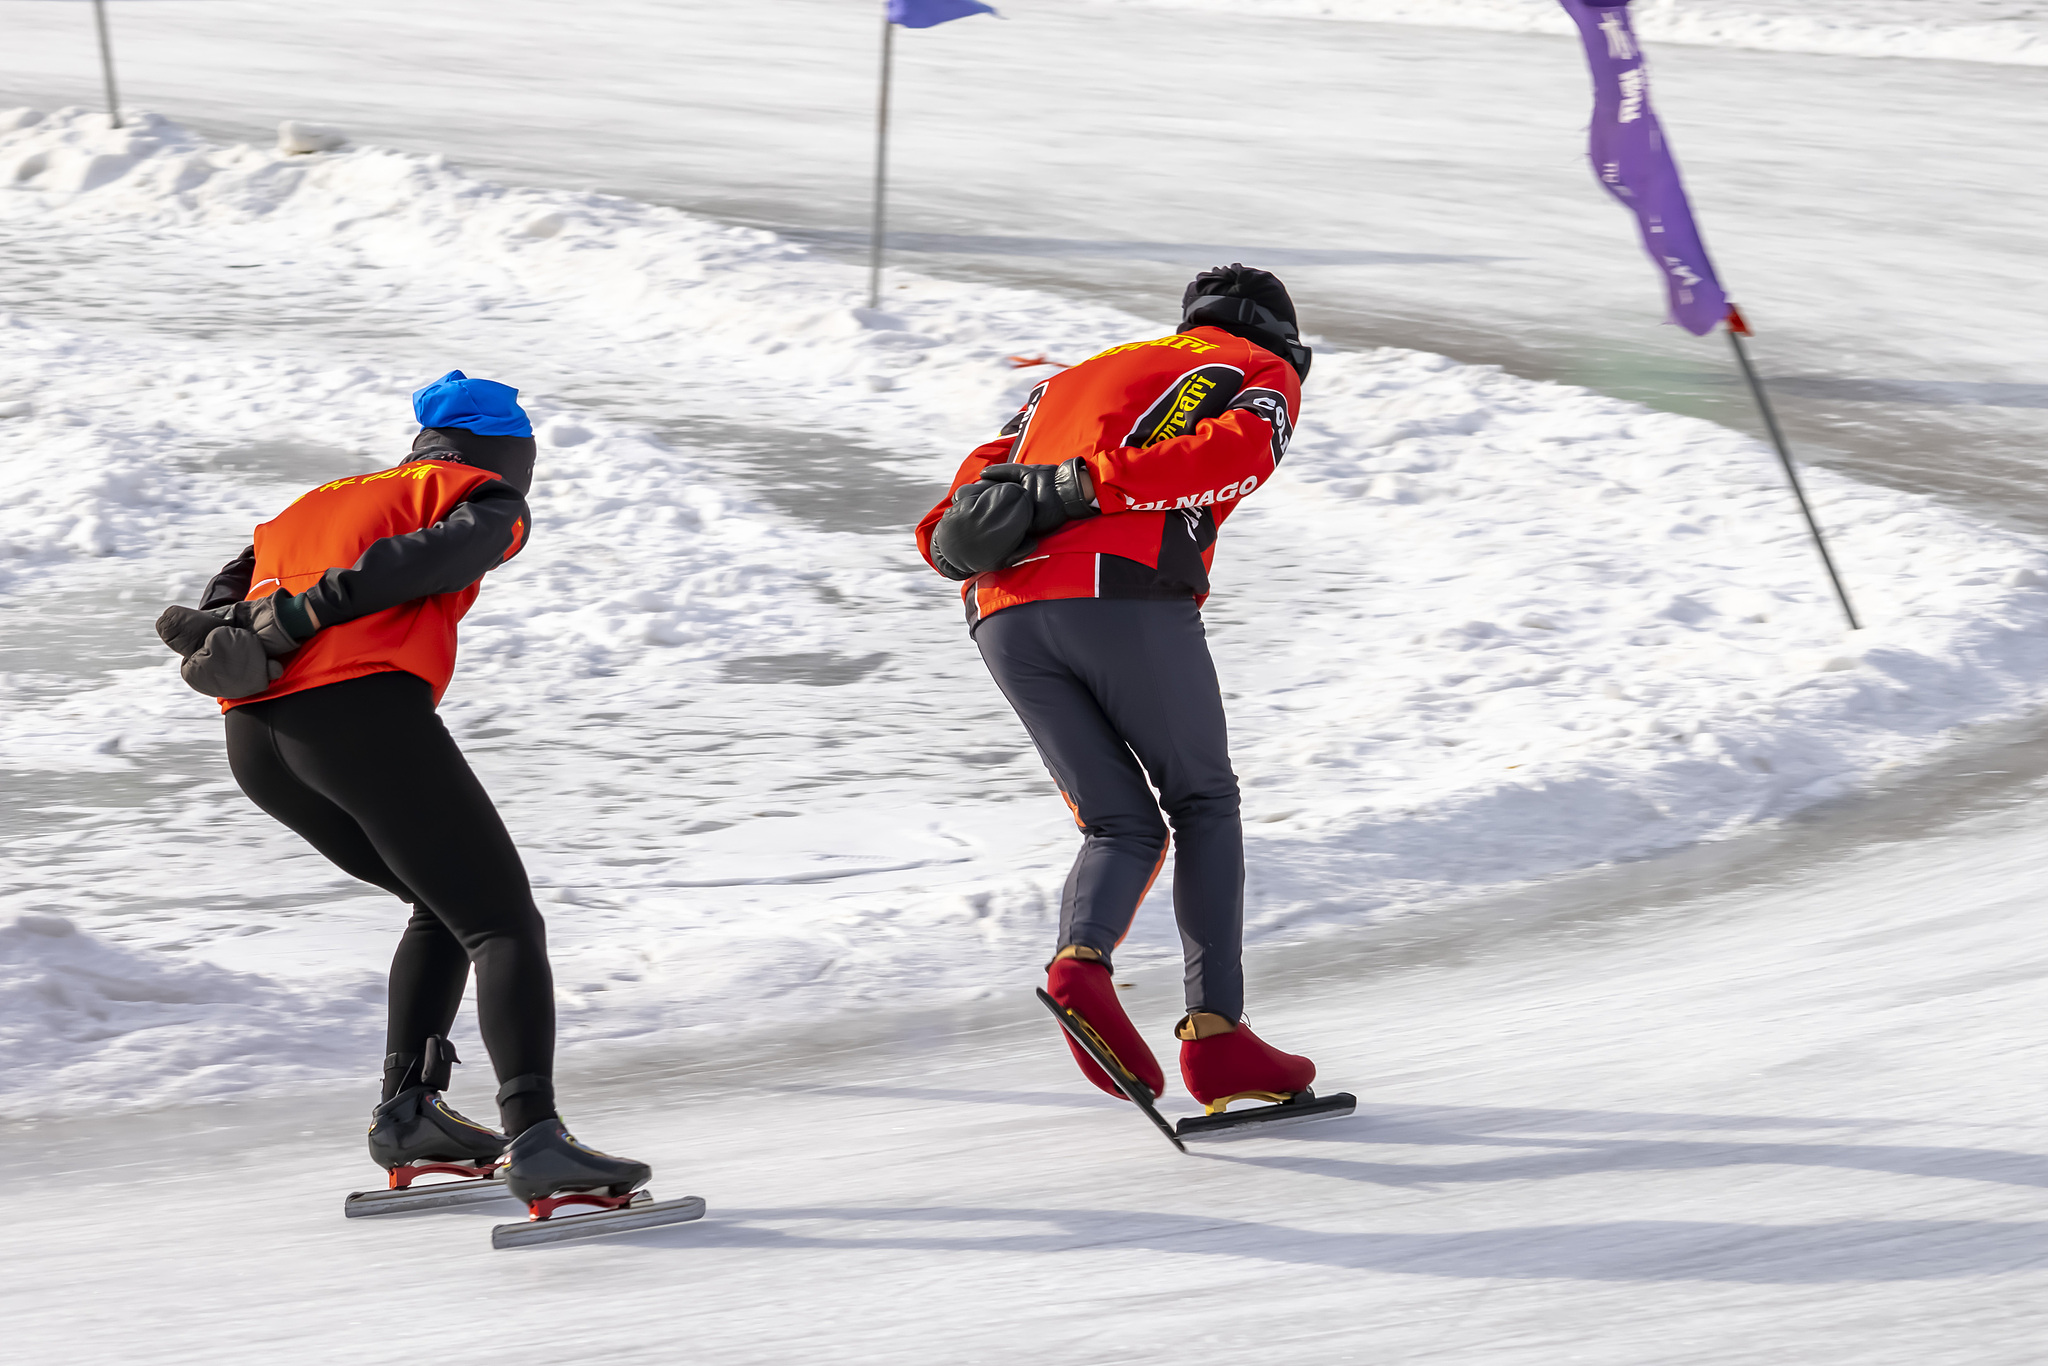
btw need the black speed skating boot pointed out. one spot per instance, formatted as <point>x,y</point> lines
<point>416,1132</point>
<point>547,1167</point>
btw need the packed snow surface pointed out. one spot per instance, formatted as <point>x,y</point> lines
<point>2011,31</point>
<point>1477,631</point>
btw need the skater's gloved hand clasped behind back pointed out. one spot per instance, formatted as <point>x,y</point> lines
<point>985,528</point>
<point>233,651</point>
<point>993,521</point>
<point>1059,493</point>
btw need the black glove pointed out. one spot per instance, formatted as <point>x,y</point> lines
<point>1056,492</point>
<point>233,651</point>
<point>988,526</point>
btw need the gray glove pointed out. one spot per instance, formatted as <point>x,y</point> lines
<point>231,663</point>
<point>233,651</point>
<point>185,629</point>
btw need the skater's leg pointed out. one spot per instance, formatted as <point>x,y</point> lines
<point>262,773</point>
<point>1123,838</point>
<point>1148,665</point>
<point>430,969</point>
<point>428,974</point>
<point>375,748</point>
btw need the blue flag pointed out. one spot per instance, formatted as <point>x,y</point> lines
<point>931,13</point>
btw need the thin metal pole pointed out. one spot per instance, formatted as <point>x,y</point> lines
<point>1763,403</point>
<point>99,14</point>
<point>881,165</point>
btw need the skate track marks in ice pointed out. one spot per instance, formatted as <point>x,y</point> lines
<point>1477,631</point>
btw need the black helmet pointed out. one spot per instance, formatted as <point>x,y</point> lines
<point>1247,303</point>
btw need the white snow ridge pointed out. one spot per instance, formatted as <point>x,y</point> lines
<point>1478,630</point>
<point>84,1023</point>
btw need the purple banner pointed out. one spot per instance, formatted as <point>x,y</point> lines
<point>1632,159</point>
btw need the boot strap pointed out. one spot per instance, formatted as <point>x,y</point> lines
<point>406,1065</point>
<point>437,1069</point>
<point>532,1081</point>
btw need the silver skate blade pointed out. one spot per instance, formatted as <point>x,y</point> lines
<point>441,1195</point>
<point>1266,1118</point>
<point>654,1214</point>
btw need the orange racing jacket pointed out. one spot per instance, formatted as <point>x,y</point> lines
<point>388,562</point>
<point>1174,431</point>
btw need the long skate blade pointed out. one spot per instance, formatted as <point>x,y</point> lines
<point>568,1228</point>
<point>1303,1109</point>
<point>442,1195</point>
<point>1117,1072</point>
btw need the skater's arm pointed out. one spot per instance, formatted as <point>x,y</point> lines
<point>231,585</point>
<point>1223,459</point>
<point>992,453</point>
<point>996,452</point>
<point>486,529</point>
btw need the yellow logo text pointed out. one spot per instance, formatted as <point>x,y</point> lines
<point>1178,341</point>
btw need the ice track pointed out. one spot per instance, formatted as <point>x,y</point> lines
<point>1793,1124</point>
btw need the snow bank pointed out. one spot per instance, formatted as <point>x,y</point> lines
<point>1547,621</point>
<point>84,1023</point>
<point>2005,31</point>
<point>1479,630</point>
<point>742,317</point>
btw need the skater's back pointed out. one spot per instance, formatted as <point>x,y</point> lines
<point>1171,432</point>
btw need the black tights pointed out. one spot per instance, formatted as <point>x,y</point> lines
<point>366,772</point>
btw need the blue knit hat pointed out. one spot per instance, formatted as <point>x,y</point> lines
<point>483,406</point>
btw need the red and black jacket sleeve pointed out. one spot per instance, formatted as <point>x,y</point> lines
<point>231,584</point>
<point>1240,447</point>
<point>488,527</point>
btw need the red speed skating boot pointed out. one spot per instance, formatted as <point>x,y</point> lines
<point>1221,1065</point>
<point>1083,985</point>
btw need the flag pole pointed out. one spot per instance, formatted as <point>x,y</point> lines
<point>99,15</point>
<point>881,164</point>
<point>1737,330</point>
